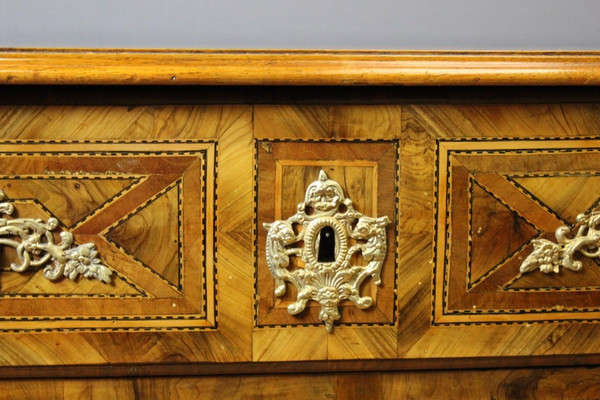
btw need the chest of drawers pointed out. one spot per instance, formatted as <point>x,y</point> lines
<point>170,175</point>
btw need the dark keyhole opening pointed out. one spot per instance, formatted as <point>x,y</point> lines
<point>326,245</point>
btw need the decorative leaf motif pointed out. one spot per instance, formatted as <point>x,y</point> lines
<point>545,256</point>
<point>330,282</point>
<point>83,260</point>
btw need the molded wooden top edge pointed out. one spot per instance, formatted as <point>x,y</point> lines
<point>296,67</point>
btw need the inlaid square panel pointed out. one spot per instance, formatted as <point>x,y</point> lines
<point>367,173</point>
<point>496,199</point>
<point>146,206</point>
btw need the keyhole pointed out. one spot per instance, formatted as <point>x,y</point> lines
<point>326,245</point>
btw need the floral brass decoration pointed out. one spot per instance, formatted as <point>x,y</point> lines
<point>549,256</point>
<point>326,220</point>
<point>34,243</point>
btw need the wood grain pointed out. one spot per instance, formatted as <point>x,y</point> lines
<point>364,168</point>
<point>507,120</point>
<point>415,239</point>
<point>399,138</point>
<point>504,123</point>
<point>168,67</point>
<point>230,126</point>
<point>547,383</point>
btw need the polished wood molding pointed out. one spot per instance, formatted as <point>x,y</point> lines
<point>297,67</point>
<point>295,367</point>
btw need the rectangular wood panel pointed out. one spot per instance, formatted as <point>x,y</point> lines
<point>476,156</point>
<point>141,184</point>
<point>355,146</point>
<point>128,199</point>
<point>285,169</point>
<point>500,196</point>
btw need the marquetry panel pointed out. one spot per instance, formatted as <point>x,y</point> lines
<point>494,198</point>
<point>364,170</point>
<point>509,141</point>
<point>154,188</point>
<point>148,209</point>
<point>175,197</point>
<point>358,147</point>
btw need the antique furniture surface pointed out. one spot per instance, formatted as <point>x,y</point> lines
<point>170,169</point>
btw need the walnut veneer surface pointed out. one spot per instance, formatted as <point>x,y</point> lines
<point>182,177</point>
<point>551,383</point>
<point>173,185</point>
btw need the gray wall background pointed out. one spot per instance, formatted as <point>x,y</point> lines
<point>303,24</point>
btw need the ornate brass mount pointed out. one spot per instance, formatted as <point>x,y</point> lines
<point>34,243</point>
<point>549,256</point>
<point>327,221</point>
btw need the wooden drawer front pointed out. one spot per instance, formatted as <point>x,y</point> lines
<point>179,220</point>
<point>495,198</point>
<point>147,208</point>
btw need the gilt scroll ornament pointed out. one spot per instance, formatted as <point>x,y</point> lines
<point>35,246</point>
<point>328,225</point>
<point>549,256</point>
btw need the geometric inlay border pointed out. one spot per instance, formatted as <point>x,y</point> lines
<point>265,145</point>
<point>446,305</point>
<point>176,185</point>
<point>179,312</point>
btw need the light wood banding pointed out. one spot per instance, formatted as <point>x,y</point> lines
<point>263,67</point>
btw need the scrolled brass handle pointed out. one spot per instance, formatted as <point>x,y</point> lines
<point>548,256</point>
<point>35,246</point>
